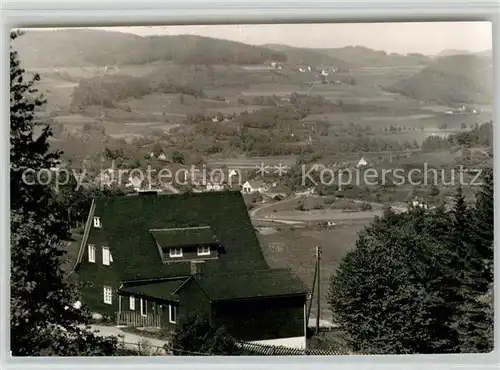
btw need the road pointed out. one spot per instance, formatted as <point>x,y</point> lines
<point>253,212</point>
<point>130,340</point>
<point>171,189</point>
<point>344,215</point>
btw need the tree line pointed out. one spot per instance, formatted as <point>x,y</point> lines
<point>107,90</point>
<point>422,281</point>
<point>480,135</point>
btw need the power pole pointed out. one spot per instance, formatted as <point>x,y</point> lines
<point>318,294</point>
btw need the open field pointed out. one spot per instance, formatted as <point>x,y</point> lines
<point>252,162</point>
<point>380,76</point>
<point>331,210</point>
<point>295,249</point>
<point>325,215</point>
<point>171,104</point>
<point>92,71</point>
<point>399,119</point>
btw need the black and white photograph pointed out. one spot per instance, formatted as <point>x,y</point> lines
<point>252,190</point>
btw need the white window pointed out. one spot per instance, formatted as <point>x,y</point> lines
<point>131,303</point>
<point>204,251</point>
<point>144,308</point>
<point>92,253</point>
<point>97,222</point>
<point>105,256</point>
<point>108,297</point>
<point>172,313</point>
<point>175,252</point>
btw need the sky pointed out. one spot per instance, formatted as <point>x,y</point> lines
<point>422,37</point>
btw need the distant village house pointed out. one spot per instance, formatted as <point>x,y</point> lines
<point>254,186</point>
<point>362,163</point>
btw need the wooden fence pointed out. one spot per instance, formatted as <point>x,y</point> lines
<point>144,348</point>
<point>255,349</point>
<point>135,319</point>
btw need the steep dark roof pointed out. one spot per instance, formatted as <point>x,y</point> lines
<point>127,221</point>
<point>180,237</point>
<point>251,284</point>
<point>162,289</point>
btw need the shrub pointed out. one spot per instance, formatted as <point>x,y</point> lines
<point>330,200</point>
<point>300,207</point>
<point>198,335</point>
<point>366,206</point>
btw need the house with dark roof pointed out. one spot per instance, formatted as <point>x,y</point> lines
<point>154,260</point>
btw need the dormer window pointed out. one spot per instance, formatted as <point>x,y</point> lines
<point>204,251</point>
<point>177,244</point>
<point>175,252</point>
<point>97,222</point>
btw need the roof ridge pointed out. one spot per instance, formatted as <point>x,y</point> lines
<point>183,228</point>
<point>207,194</point>
<point>157,280</point>
<point>236,272</point>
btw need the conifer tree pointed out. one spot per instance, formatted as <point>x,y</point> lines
<point>417,281</point>
<point>44,317</point>
<point>474,319</point>
<point>482,231</point>
<point>386,293</point>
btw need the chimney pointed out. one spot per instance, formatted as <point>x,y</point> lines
<point>149,192</point>
<point>196,267</point>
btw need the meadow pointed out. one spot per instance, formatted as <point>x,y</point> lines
<point>253,162</point>
<point>295,249</point>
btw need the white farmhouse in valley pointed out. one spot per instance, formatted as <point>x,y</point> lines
<point>214,186</point>
<point>134,182</point>
<point>254,186</point>
<point>362,163</point>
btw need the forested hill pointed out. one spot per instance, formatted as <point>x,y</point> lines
<point>362,56</point>
<point>452,80</point>
<point>85,47</point>
<point>297,55</point>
